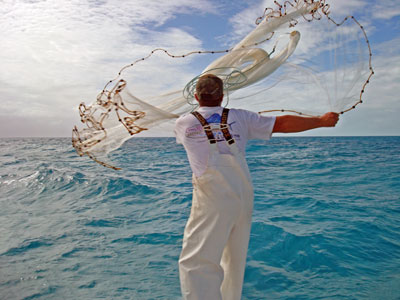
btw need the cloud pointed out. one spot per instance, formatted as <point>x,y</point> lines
<point>383,90</point>
<point>385,9</point>
<point>245,21</point>
<point>55,54</point>
<point>342,8</point>
<point>380,100</point>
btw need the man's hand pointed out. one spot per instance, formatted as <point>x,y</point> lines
<point>329,119</point>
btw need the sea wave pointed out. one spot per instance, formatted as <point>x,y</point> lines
<point>325,223</point>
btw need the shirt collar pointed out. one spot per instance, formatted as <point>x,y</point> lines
<point>209,108</point>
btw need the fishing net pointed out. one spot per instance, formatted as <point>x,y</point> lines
<point>328,70</point>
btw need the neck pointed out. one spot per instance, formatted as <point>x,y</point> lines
<point>210,105</point>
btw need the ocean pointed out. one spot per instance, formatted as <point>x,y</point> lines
<point>326,221</point>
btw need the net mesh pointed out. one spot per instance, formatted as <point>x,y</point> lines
<point>328,70</point>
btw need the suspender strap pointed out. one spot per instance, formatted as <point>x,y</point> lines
<point>206,126</point>
<point>224,127</point>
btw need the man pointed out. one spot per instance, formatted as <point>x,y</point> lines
<point>216,237</point>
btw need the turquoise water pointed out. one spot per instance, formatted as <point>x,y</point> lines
<point>326,222</point>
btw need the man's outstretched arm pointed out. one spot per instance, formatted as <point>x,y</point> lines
<point>289,123</point>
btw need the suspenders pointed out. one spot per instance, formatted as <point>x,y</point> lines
<point>224,127</point>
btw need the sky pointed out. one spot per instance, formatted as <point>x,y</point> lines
<point>55,54</point>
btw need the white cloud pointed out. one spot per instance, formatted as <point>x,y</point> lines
<point>342,8</point>
<point>383,90</point>
<point>55,54</point>
<point>385,9</point>
<point>313,35</point>
<point>245,21</point>
<point>380,99</point>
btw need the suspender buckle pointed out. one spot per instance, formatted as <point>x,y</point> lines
<point>231,141</point>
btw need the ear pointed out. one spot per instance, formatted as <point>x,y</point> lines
<point>197,97</point>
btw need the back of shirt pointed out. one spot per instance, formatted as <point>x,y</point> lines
<point>243,125</point>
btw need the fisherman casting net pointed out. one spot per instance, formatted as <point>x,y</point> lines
<point>296,60</point>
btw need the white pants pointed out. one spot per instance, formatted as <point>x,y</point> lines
<point>216,237</point>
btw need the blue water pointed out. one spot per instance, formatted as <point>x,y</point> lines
<point>326,223</point>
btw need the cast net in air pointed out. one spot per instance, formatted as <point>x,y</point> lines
<point>328,70</point>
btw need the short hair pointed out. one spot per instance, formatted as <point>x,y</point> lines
<point>209,88</point>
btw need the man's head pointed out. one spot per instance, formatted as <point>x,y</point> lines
<point>209,90</point>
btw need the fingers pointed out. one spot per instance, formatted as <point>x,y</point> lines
<point>330,119</point>
<point>334,118</point>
